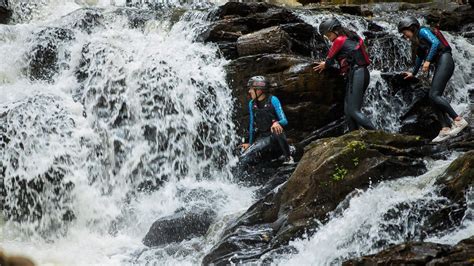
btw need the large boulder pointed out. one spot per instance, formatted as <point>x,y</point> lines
<point>182,225</point>
<point>44,55</point>
<point>297,38</point>
<point>451,20</point>
<point>420,253</point>
<point>235,19</point>
<point>454,184</point>
<point>26,195</point>
<point>328,172</point>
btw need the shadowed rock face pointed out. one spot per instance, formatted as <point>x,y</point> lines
<point>421,253</point>
<point>5,12</point>
<point>262,39</point>
<point>328,172</point>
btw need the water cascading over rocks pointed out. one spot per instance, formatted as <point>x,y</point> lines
<point>118,132</point>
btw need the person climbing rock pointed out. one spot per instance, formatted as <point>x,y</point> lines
<point>267,119</point>
<point>432,49</point>
<point>348,50</point>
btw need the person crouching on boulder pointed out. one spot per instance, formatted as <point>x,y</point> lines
<point>267,119</point>
<point>433,49</point>
<point>349,50</point>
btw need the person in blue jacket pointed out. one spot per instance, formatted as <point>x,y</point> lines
<point>267,120</point>
<point>433,49</point>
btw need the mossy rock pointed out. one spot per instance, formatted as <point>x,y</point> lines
<point>458,177</point>
<point>328,172</point>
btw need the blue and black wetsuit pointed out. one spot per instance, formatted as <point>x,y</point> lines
<point>438,53</point>
<point>262,116</point>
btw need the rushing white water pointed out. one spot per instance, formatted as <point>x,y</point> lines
<point>389,213</point>
<point>119,112</point>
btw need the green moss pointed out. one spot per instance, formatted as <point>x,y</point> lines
<point>355,161</point>
<point>356,145</point>
<point>339,173</point>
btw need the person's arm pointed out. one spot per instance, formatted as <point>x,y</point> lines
<point>335,48</point>
<point>279,111</point>
<point>251,122</point>
<point>418,62</point>
<point>426,34</point>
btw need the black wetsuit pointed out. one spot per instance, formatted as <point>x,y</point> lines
<point>437,52</point>
<point>353,60</point>
<point>263,142</point>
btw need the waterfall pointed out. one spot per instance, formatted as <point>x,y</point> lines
<point>112,116</point>
<point>108,124</point>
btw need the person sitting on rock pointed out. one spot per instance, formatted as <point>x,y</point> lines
<point>267,119</point>
<point>349,50</point>
<point>433,49</point>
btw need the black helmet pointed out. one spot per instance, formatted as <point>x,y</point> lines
<point>329,25</point>
<point>259,82</point>
<point>407,22</point>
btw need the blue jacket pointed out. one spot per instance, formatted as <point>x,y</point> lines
<point>429,48</point>
<point>278,111</point>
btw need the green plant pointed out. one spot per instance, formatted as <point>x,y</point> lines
<point>356,161</point>
<point>339,173</point>
<point>356,145</point>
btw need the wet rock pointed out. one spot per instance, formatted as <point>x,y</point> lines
<point>458,178</point>
<point>420,253</point>
<point>44,55</point>
<point>418,116</point>
<point>180,226</point>
<point>329,171</point>
<point>372,26</point>
<point>5,12</point>
<point>357,10</point>
<point>297,38</point>
<point>14,260</point>
<point>333,129</point>
<point>405,254</point>
<point>268,40</point>
<point>451,20</point>
<point>308,98</point>
<point>236,19</point>
<point>137,18</point>
<point>280,177</point>
<point>30,199</point>
<point>454,185</point>
<point>84,19</point>
<point>241,9</point>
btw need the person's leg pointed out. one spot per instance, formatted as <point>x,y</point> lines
<point>282,144</point>
<point>351,123</point>
<point>444,71</point>
<point>255,153</point>
<point>355,98</point>
<point>442,118</point>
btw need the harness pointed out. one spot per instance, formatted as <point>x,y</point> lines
<point>264,117</point>
<point>425,46</point>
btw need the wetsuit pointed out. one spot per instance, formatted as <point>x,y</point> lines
<point>353,61</point>
<point>438,53</point>
<point>263,142</point>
